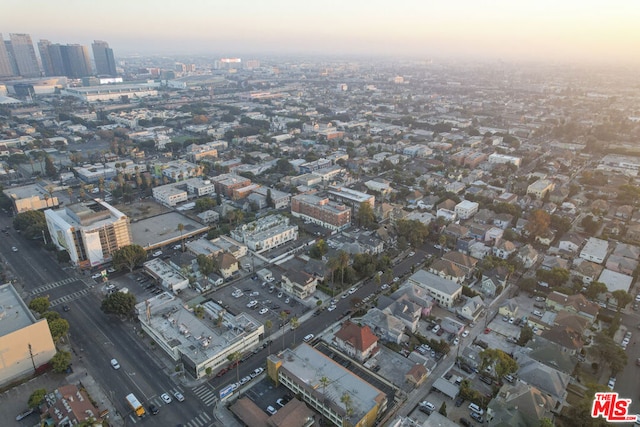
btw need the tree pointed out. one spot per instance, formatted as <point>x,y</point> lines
<point>343,262</point>
<point>590,225</point>
<point>129,257</point>
<point>594,289</point>
<point>37,397</point>
<point>58,328</point>
<point>348,408</point>
<point>622,297</point>
<point>269,198</point>
<point>61,361</point>
<point>318,250</point>
<point>283,318</point>
<point>49,167</point>
<point>267,326</point>
<point>294,325</point>
<point>206,264</point>
<point>607,351</point>
<point>443,409</point>
<point>119,303</point>
<point>502,362</point>
<point>526,333</point>
<point>365,217</point>
<point>204,204</point>
<point>32,224</point>
<point>579,414</point>
<point>234,358</point>
<point>413,231</point>
<point>538,224</point>
<point>39,305</point>
<point>555,277</point>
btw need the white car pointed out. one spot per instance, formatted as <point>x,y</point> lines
<point>537,313</point>
<point>331,308</point>
<point>157,253</point>
<point>252,304</point>
<point>612,383</point>
<point>280,294</point>
<point>179,397</point>
<point>384,287</point>
<point>456,341</point>
<point>271,410</point>
<point>308,338</point>
<point>352,291</point>
<point>96,276</point>
<point>14,249</point>
<point>412,253</point>
<point>258,371</point>
<point>165,397</point>
<point>263,310</point>
<point>115,364</point>
<point>465,334</point>
<point>638,298</point>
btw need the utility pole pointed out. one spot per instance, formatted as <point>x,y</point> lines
<point>33,362</point>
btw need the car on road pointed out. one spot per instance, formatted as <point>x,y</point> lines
<point>165,397</point>
<point>487,330</point>
<point>384,287</point>
<point>612,383</point>
<point>157,253</point>
<point>179,397</point>
<point>111,270</point>
<point>115,364</point>
<point>287,301</point>
<point>331,308</point>
<point>456,341</point>
<point>537,313</point>
<point>271,410</point>
<point>263,310</point>
<point>245,380</point>
<point>258,371</point>
<point>638,298</point>
<point>65,307</point>
<point>412,253</point>
<point>280,294</point>
<point>153,409</point>
<point>352,291</point>
<point>96,276</point>
<point>14,249</point>
<point>465,334</point>
<point>395,279</point>
<point>308,337</point>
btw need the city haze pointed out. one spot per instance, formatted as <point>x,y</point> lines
<point>582,31</point>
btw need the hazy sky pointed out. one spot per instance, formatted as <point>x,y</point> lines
<point>600,30</point>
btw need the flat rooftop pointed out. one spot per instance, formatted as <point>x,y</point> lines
<point>162,229</point>
<point>14,313</point>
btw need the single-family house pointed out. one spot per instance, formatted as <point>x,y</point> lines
<point>359,342</point>
<point>595,250</point>
<point>509,308</point>
<point>528,256</point>
<point>504,249</point>
<point>571,242</point>
<point>472,309</point>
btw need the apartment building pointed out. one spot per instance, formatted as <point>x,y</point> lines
<point>90,231</point>
<point>266,233</point>
<point>321,211</point>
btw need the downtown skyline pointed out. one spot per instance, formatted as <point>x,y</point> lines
<point>587,31</point>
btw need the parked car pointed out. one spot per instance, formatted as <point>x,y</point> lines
<point>166,398</point>
<point>427,407</point>
<point>153,409</point>
<point>271,410</point>
<point>179,397</point>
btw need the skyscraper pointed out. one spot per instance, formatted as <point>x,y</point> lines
<point>45,57</point>
<point>103,55</point>
<point>5,62</point>
<point>25,55</point>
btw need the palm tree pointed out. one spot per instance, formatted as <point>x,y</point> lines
<point>283,317</point>
<point>181,228</point>
<point>268,325</point>
<point>294,325</point>
<point>235,357</point>
<point>346,399</point>
<point>343,262</point>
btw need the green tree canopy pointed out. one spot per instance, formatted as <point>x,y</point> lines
<point>49,167</point>
<point>205,204</point>
<point>608,352</point>
<point>40,305</point>
<point>58,328</point>
<point>119,303</point>
<point>37,397</point>
<point>526,333</point>
<point>206,264</point>
<point>318,250</point>
<point>594,289</point>
<point>501,361</point>
<point>61,361</point>
<point>31,224</point>
<point>622,297</point>
<point>365,216</point>
<point>413,231</point>
<point>538,223</point>
<point>129,257</point>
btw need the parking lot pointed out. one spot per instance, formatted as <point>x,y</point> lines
<point>264,394</point>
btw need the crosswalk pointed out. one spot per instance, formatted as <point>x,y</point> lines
<point>201,419</point>
<point>206,393</point>
<point>70,297</point>
<point>53,285</point>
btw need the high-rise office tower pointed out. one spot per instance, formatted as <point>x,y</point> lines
<point>24,55</point>
<point>103,55</point>
<point>45,57</point>
<point>5,62</point>
<point>76,60</point>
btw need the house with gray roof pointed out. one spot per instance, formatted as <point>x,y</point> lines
<point>549,380</point>
<point>386,326</point>
<point>472,309</point>
<point>520,405</point>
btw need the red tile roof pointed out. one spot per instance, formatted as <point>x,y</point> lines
<point>361,337</point>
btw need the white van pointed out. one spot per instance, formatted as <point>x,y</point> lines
<point>475,408</point>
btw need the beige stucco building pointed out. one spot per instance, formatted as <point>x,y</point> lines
<point>25,342</point>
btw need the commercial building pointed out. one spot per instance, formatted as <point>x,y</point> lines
<point>321,211</point>
<point>197,152</point>
<point>497,158</point>
<point>226,183</point>
<point>165,275</point>
<point>71,60</point>
<point>197,343</point>
<point>303,370</point>
<point>200,187</point>
<point>5,61</point>
<point>266,233</point>
<point>90,231</point>
<point>351,198</point>
<point>279,199</point>
<point>24,55</point>
<point>103,56</point>
<point>30,198</point>
<point>169,194</point>
<point>111,92</point>
<point>25,342</point>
